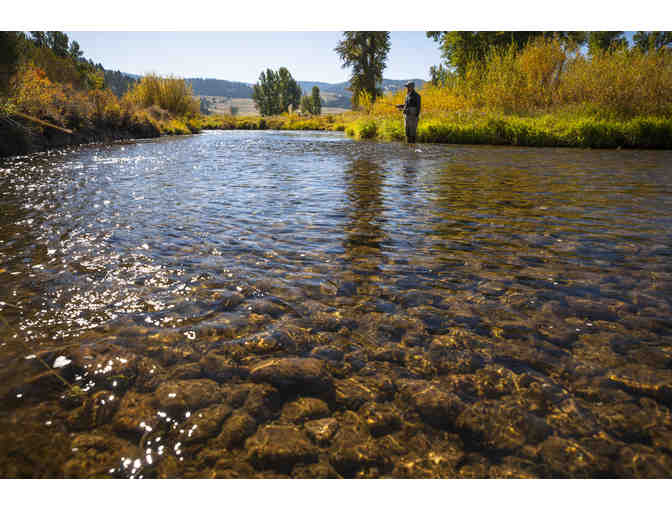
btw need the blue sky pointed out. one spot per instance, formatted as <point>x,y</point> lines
<point>242,55</point>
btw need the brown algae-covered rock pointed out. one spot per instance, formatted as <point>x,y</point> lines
<point>381,419</point>
<point>321,431</point>
<point>96,410</point>
<point>204,423</point>
<point>191,394</point>
<point>136,413</point>
<point>305,408</point>
<point>305,375</point>
<point>238,427</point>
<point>436,405</point>
<point>221,367</point>
<point>280,447</point>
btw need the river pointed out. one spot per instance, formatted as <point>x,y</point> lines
<point>261,303</point>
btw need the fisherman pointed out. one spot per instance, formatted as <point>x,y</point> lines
<point>411,109</point>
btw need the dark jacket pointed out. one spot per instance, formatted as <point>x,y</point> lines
<point>412,101</point>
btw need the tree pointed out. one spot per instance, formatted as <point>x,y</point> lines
<point>275,91</point>
<point>58,42</point>
<point>648,41</point>
<point>74,51</point>
<point>289,90</point>
<point>439,75</point>
<point>9,57</point>
<point>316,101</point>
<point>605,41</point>
<point>458,49</point>
<point>365,53</point>
<point>39,38</point>
<point>306,104</point>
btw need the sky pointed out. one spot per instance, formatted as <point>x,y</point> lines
<point>236,41</point>
<point>243,55</point>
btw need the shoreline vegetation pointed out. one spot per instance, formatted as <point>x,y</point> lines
<point>548,94</point>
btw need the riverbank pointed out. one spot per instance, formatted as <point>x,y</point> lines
<point>544,131</point>
<point>477,129</point>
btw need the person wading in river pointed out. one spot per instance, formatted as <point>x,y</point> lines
<point>411,109</point>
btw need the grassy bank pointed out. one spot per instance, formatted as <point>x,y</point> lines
<point>543,131</point>
<point>547,95</point>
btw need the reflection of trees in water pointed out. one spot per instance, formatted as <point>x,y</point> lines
<point>364,231</point>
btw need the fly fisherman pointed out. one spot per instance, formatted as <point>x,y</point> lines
<point>411,109</point>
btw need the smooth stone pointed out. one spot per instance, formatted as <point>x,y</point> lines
<point>135,409</point>
<point>238,427</point>
<point>321,431</point>
<point>381,419</point>
<point>262,401</point>
<point>280,447</point>
<point>502,425</point>
<point>307,375</point>
<point>221,368</point>
<point>204,423</point>
<point>190,394</point>
<point>94,455</point>
<point>437,406</point>
<point>569,458</point>
<point>97,410</point>
<point>303,409</point>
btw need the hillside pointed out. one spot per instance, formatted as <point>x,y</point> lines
<point>335,95</point>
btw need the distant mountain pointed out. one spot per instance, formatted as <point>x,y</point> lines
<point>341,88</point>
<point>223,88</point>
<point>336,94</point>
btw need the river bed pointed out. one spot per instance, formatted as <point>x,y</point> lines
<point>297,304</point>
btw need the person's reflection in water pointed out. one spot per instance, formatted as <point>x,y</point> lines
<point>364,231</point>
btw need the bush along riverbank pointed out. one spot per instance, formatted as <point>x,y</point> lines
<point>545,131</point>
<point>547,94</point>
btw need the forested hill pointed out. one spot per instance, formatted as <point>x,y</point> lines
<point>225,88</point>
<point>341,88</point>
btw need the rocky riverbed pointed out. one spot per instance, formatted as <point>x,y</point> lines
<point>436,390</point>
<point>298,305</point>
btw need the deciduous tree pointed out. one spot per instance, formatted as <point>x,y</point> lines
<point>365,53</point>
<point>647,41</point>
<point>275,91</point>
<point>458,49</point>
<point>604,41</point>
<point>316,101</point>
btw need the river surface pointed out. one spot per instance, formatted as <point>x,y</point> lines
<point>261,304</point>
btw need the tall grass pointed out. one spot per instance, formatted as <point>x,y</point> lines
<point>171,94</point>
<point>545,94</point>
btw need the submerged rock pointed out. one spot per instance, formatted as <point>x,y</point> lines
<point>280,447</point>
<point>502,425</point>
<point>136,412</point>
<point>321,431</point>
<point>351,393</point>
<point>204,423</point>
<point>303,375</point>
<point>639,461</point>
<point>192,394</point>
<point>96,410</point>
<point>304,409</point>
<point>566,457</point>
<point>381,419</point>
<point>238,427</point>
<point>436,405</point>
<point>96,455</point>
<point>221,367</point>
<point>262,401</point>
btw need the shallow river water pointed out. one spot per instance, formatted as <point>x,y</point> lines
<point>263,304</point>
